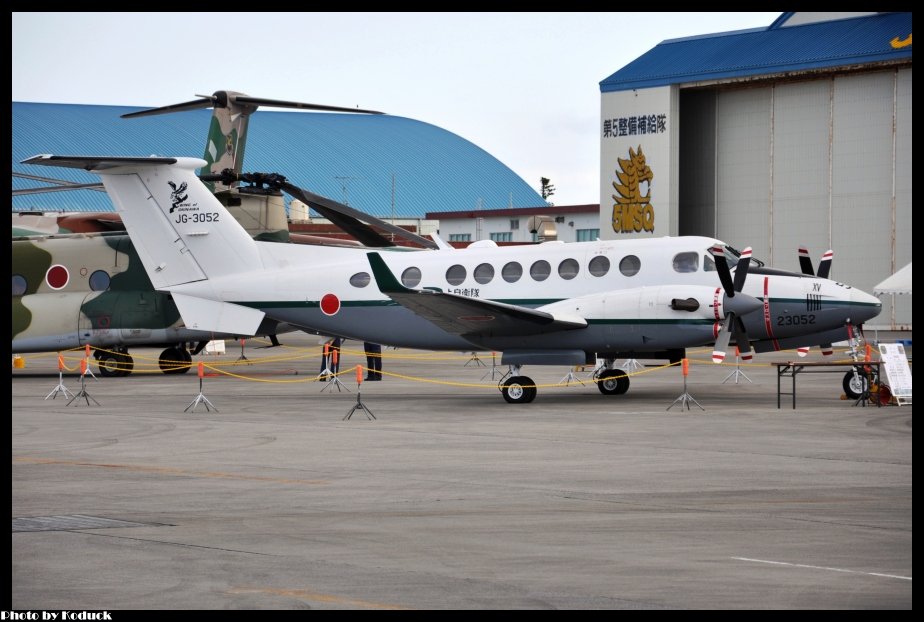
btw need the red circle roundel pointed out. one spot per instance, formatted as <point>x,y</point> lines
<point>57,276</point>
<point>330,304</point>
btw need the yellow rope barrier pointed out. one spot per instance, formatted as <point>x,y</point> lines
<point>152,364</point>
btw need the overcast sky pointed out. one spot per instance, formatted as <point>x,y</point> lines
<point>523,86</point>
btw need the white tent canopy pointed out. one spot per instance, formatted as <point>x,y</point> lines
<point>898,283</point>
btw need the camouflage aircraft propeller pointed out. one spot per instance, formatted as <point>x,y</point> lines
<point>228,131</point>
<point>356,223</point>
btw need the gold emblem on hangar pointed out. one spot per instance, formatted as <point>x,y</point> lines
<point>632,211</point>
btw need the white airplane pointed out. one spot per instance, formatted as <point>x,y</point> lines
<point>551,303</point>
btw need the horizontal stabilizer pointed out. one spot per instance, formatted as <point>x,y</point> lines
<point>218,317</point>
<point>92,163</point>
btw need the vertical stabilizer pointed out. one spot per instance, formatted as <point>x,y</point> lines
<point>182,233</point>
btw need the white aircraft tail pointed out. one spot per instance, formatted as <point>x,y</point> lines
<point>181,232</point>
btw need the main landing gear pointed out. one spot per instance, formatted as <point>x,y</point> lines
<point>176,360</point>
<point>118,363</point>
<point>518,389</point>
<point>114,363</point>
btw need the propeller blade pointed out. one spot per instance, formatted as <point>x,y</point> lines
<point>826,349</point>
<point>278,103</point>
<point>721,341</point>
<point>357,223</point>
<point>803,351</point>
<point>721,265</point>
<point>44,189</point>
<point>196,104</point>
<point>824,268</point>
<point>741,270</point>
<point>805,262</point>
<point>741,341</point>
<point>224,99</point>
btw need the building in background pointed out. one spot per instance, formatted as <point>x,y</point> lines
<point>794,134</point>
<point>387,166</point>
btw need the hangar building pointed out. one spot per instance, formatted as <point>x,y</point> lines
<point>794,134</point>
<point>385,165</point>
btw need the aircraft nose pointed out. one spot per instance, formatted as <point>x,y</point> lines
<point>866,306</point>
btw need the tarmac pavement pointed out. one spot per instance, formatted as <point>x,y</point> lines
<point>451,498</point>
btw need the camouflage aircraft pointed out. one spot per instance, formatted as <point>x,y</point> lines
<point>91,288</point>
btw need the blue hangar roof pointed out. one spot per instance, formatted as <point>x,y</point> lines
<point>778,48</point>
<point>335,155</point>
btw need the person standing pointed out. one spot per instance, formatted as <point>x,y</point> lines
<point>373,360</point>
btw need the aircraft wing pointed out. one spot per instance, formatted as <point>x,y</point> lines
<point>469,317</point>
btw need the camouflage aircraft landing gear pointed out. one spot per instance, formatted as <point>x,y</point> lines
<point>175,360</point>
<point>115,363</point>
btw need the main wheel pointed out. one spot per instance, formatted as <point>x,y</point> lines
<point>855,384</point>
<point>613,382</point>
<point>174,361</point>
<point>519,390</point>
<point>114,364</point>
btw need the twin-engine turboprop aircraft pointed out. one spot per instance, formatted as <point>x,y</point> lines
<point>550,303</point>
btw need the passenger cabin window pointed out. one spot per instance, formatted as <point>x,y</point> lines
<point>599,265</point>
<point>19,285</point>
<point>568,269</point>
<point>540,270</point>
<point>411,277</point>
<point>630,265</point>
<point>360,279</point>
<point>455,275</point>
<point>686,262</point>
<point>99,281</point>
<point>484,273</point>
<point>512,272</point>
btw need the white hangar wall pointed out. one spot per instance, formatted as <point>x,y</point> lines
<point>824,163</point>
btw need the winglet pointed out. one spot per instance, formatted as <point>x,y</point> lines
<point>384,277</point>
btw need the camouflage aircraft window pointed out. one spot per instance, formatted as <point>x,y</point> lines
<point>512,272</point>
<point>484,273</point>
<point>411,277</point>
<point>360,279</point>
<point>630,265</point>
<point>599,265</point>
<point>708,263</point>
<point>540,270</point>
<point>686,262</point>
<point>455,275</point>
<point>568,269</point>
<point>19,285</point>
<point>99,281</point>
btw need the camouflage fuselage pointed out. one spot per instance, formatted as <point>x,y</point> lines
<point>88,289</point>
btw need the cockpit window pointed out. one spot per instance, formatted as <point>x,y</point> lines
<point>708,263</point>
<point>686,262</point>
<point>731,256</point>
